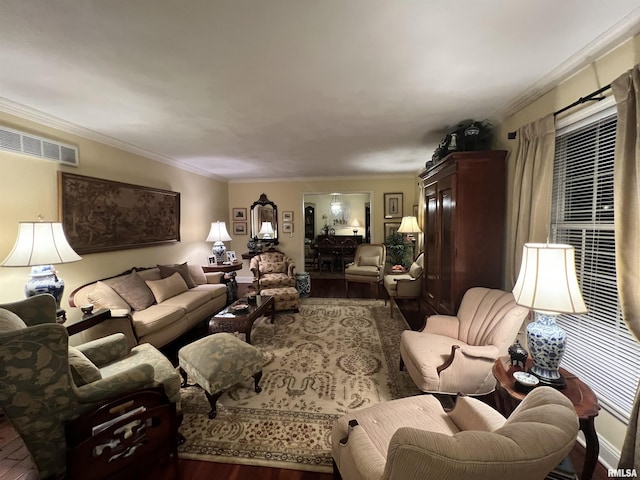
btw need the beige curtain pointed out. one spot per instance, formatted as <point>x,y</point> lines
<point>532,183</point>
<point>626,90</point>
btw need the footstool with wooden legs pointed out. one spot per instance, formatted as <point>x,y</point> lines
<point>218,362</point>
<point>286,298</point>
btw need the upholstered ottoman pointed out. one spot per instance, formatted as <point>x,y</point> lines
<point>218,362</point>
<point>286,298</point>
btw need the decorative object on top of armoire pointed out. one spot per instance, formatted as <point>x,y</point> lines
<point>466,136</point>
<point>464,224</point>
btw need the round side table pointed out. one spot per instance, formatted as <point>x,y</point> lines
<point>229,270</point>
<point>508,396</point>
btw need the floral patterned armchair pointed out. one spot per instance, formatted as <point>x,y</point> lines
<point>46,382</point>
<point>272,269</point>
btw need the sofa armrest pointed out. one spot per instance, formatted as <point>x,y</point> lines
<point>214,277</point>
<point>290,269</point>
<point>473,414</point>
<point>406,287</point>
<point>102,351</point>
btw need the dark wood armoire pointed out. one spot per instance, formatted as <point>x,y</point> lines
<point>464,226</point>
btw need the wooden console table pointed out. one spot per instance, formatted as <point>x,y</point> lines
<point>584,401</point>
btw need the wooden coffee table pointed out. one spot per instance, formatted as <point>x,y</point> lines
<point>230,321</point>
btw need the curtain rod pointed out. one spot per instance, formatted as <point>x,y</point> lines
<point>589,98</point>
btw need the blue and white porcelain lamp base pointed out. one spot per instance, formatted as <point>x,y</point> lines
<point>44,279</point>
<point>219,252</point>
<point>547,342</point>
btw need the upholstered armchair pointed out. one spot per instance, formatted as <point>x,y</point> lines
<point>405,285</point>
<point>454,354</point>
<point>272,269</point>
<point>415,437</point>
<point>46,382</point>
<point>368,266</point>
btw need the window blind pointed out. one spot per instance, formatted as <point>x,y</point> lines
<point>600,348</point>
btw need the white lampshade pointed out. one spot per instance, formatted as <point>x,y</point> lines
<point>218,233</point>
<point>355,223</point>
<point>40,243</point>
<point>266,229</point>
<point>409,225</point>
<point>547,281</point>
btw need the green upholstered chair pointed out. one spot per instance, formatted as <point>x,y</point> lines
<point>46,383</point>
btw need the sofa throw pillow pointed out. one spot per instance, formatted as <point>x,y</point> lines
<point>83,370</point>
<point>10,322</point>
<point>415,270</point>
<point>167,287</point>
<point>369,261</point>
<point>134,291</point>
<point>103,296</point>
<point>168,270</point>
<point>197,274</point>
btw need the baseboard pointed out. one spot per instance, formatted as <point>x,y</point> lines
<point>609,456</point>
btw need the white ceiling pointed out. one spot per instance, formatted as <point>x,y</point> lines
<point>241,89</point>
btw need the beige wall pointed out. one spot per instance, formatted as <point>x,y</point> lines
<point>600,73</point>
<point>29,188</point>
<point>289,196</point>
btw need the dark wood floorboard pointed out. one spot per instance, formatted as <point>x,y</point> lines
<point>15,463</point>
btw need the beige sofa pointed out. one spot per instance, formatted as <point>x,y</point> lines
<point>153,305</point>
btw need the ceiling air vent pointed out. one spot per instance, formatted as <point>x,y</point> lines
<point>39,147</point>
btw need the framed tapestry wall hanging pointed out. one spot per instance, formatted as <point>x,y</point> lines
<point>102,215</point>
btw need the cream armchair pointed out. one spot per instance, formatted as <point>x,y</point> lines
<point>456,354</point>
<point>368,266</point>
<point>415,437</point>
<point>272,269</point>
<point>406,285</point>
<point>46,383</point>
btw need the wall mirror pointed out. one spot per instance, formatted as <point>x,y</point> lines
<point>264,220</point>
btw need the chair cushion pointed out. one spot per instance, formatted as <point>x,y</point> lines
<point>167,287</point>
<point>83,370</point>
<point>134,291</point>
<point>369,261</point>
<point>9,321</point>
<point>183,269</point>
<point>273,267</point>
<point>103,296</point>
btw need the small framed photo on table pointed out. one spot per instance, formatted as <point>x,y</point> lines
<point>231,256</point>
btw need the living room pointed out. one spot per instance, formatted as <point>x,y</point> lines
<point>30,188</point>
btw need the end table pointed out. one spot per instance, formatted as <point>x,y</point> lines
<point>229,278</point>
<point>584,401</point>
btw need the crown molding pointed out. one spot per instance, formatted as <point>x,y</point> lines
<point>405,175</point>
<point>624,30</point>
<point>31,114</point>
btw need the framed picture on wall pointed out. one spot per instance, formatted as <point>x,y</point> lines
<point>393,205</point>
<point>287,216</point>
<point>390,228</point>
<point>287,227</point>
<point>239,214</point>
<point>239,228</point>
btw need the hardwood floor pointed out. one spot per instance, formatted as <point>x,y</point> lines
<point>15,462</point>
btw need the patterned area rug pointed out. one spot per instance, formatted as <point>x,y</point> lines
<point>333,357</point>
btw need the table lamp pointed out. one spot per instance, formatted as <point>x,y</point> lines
<point>547,283</point>
<point>217,235</point>
<point>266,230</point>
<point>40,245</point>
<point>409,225</point>
<point>355,224</point>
